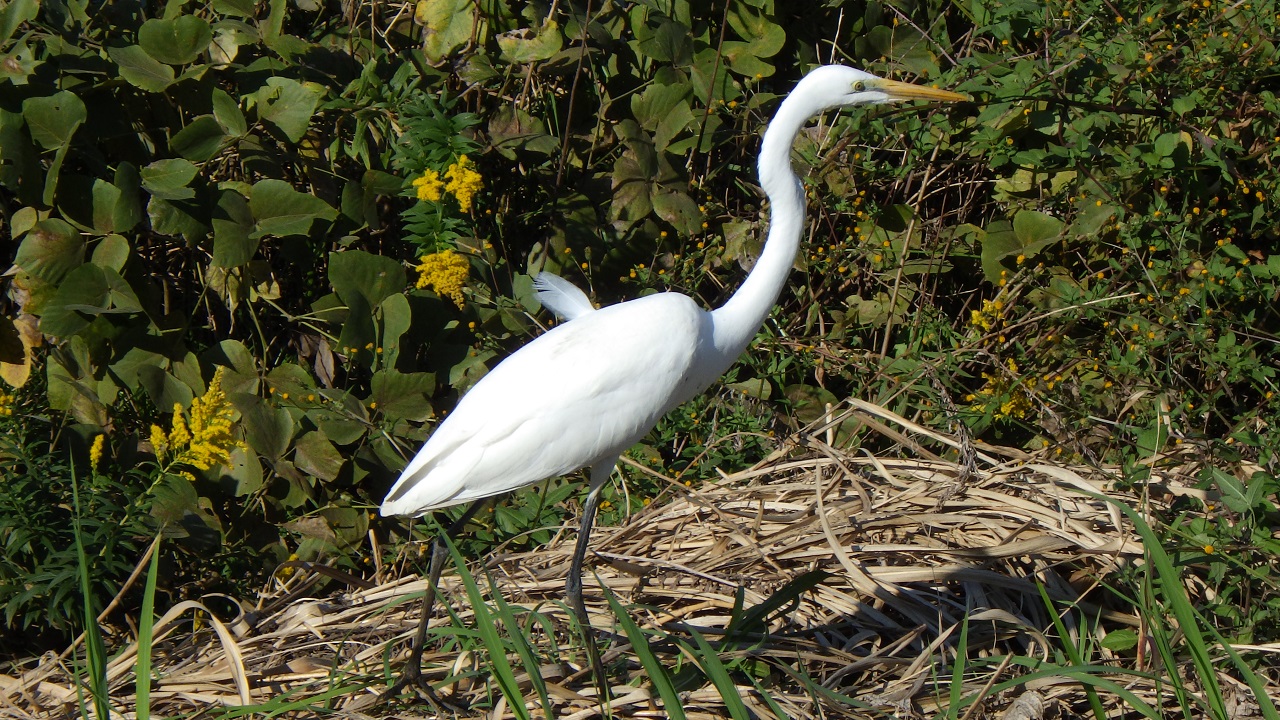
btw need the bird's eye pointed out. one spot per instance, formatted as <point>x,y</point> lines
<point>859,86</point>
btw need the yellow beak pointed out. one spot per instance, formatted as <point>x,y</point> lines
<point>907,91</point>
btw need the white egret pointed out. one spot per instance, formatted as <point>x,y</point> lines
<point>586,391</point>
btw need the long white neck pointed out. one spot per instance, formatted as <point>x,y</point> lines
<point>738,320</point>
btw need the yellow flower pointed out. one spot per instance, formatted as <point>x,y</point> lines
<point>159,442</point>
<point>211,415</point>
<point>988,317</point>
<point>95,451</point>
<point>446,273</point>
<point>203,440</point>
<point>179,435</point>
<point>1015,401</point>
<point>428,186</point>
<point>6,404</point>
<point>464,182</point>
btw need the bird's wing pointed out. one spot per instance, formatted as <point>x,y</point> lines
<point>561,296</point>
<point>580,394</point>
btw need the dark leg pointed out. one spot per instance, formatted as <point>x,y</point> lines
<point>412,673</point>
<point>573,586</point>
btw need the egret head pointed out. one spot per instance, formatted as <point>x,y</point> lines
<point>833,86</point>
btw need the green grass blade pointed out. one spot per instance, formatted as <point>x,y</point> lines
<point>498,663</point>
<point>95,649</point>
<point>142,668</point>
<point>1074,656</point>
<point>957,670</point>
<point>317,705</point>
<point>774,707</point>
<point>523,647</point>
<point>784,600</point>
<point>653,667</point>
<point>1090,675</point>
<point>1176,597</point>
<point>719,676</point>
<point>1259,688</point>
<point>817,691</point>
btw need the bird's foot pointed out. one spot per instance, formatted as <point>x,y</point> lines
<point>412,678</point>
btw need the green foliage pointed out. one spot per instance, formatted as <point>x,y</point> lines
<point>1079,260</point>
<point>40,583</point>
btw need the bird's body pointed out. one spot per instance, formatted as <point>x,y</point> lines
<point>584,392</point>
<point>577,396</point>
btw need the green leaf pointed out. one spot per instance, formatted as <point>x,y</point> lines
<point>72,386</point>
<point>756,388</point>
<point>1035,229</point>
<point>906,45</point>
<point>169,179</point>
<point>1167,143</point>
<point>710,77</point>
<point>232,227</point>
<point>651,106</point>
<point>140,69</point>
<point>281,211</point>
<point>227,111</point>
<point>348,526</point>
<point>403,395</point>
<point>177,41</point>
<point>177,217</point>
<point>527,45</point>
<point>743,60</point>
<point>762,33</point>
<point>372,278</point>
<point>288,106</point>
<point>120,295</point>
<point>342,428</point>
<point>112,253</point>
<point>21,171</point>
<point>446,25</point>
<point>741,241</point>
<point>267,429</point>
<point>715,670</point>
<point>174,498</point>
<point>679,210</point>
<point>397,318</point>
<point>83,291</point>
<point>135,358</point>
<point>1120,640</point>
<point>316,456</point>
<point>245,472</point>
<point>114,210</point>
<point>809,402</point>
<point>1152,439</point>
<point>50,250</point>
<point>290,378</point>
<point>242,8</point>
<point>13,15</point>
<point>671,42</point>
<point>53,120</point>
<point>199,140</point>
<point>164,389</point>
<point>240,372</point>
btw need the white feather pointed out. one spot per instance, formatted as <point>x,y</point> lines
<point>561,297</point>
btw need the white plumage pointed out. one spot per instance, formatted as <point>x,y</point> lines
<point>552,406</point>
<point>584,392</point>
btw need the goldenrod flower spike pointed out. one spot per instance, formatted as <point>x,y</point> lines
<point>464,182</point>
<point>446,273</point>
<point>428,186</point>
<point>95,451</point>
<point>208,441</point>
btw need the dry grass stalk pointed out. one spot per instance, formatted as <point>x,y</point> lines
<point>913,548</point>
